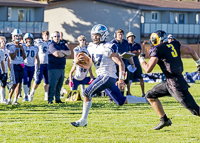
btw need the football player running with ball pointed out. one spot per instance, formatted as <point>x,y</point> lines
<point>104,56</point>
<point>168,57</point>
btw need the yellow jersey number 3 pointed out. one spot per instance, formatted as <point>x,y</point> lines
<point>174,52</point>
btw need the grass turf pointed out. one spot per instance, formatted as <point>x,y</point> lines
<point>37,121</point>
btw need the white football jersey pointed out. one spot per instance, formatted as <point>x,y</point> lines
<point>101,57</point>
<point>31,53</point>
<point>18,59</point>
<point>43,48</point>
<point>80,49</point>
<point>80,73</point>
<point>5,60</point>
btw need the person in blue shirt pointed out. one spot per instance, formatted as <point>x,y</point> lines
<point>136,49</point>
<point>123,46</point>
<point>57,54</point>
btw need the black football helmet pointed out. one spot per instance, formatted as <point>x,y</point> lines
<point>158,37</point>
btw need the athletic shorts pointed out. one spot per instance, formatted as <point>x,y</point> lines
<point>4,82</point>
<point>182,96</point>
<point>28,75</point>
<point>17,72</point>
<point>76,83</point>
<point>43,74</point>
<point>108,84</point>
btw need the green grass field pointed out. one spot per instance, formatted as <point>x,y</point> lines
<point>39,122</point>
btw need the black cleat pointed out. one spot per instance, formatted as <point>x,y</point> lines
<point>163,124</point>
<point>80,123</point>
<point>59,101</point>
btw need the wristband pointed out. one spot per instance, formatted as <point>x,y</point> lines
<point>197,62</point>
<point>141,59</point>
<point>122,75</point>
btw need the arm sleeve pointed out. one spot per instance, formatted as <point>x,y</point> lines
<point>153,52</point>
<point>52,48</point>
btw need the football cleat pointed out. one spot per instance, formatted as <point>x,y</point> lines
<point>25,99</point>
<point>30,97</point>
<point>4,101</point>
<point>79,123</point>
<point>9,103</point>
<point>15,103</point>
<point>162,124</point>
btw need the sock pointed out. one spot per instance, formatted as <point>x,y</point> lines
<point>15,100</point>
<point>133,99</point>
<point>33,91</point>
<point>86,109</point>
<point>25,88</point>
<point>46,94</point>
<point>2,94</point>
<point>164,118</point>
<point>9,100</point>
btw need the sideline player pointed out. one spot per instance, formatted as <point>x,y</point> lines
<point>4,68</point>
<point>43,45</point>
<point>168,57</point>
<point>17,56</point>
<point>29,69</point>
<point>104,56</point>
<point>80,73</point>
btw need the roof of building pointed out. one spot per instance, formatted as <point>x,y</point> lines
<point>23,3</point>
<point>157,3</point>
<point>151,4</point>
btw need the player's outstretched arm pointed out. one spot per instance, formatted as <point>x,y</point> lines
<point>71,72</point>
<point>185,50</point>
<point>115,57</point>
<point>148,67</point>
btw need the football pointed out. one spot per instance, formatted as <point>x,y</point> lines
<point>85,58</point>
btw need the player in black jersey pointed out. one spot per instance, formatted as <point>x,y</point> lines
<point>168,57</point>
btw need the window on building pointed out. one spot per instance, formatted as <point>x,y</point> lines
<point>9,12</point>
<point>21,15</point>
<point>28,14</point>
<point>154,15</point>
<point>181,18</point>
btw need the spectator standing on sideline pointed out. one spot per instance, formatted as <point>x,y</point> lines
<point>6,62</point>
<point>57,53</point>
<point>136,49</point>
<point>63,40</point>
<point>123,46</point>
<point>17,56</point>
<point>43,45</point>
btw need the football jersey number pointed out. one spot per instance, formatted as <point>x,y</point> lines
<point>6,57</point>
<point>44,49</point>
<point>173,52</point>
<point>28,53</point>
<point>97,59</point>
<point>83,70</point>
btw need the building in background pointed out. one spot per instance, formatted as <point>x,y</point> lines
<point>142,17</point>
<point>27,15</point>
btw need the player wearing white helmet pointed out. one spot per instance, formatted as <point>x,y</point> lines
<point>104,56</point>
<point>29,69</point>
<point>43,45</point>
<point>17,56</point>
<point>4,67</point>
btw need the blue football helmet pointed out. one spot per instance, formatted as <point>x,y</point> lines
<point>100,29</point>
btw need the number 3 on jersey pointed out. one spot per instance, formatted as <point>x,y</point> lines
<point>97,59</point>
<point>174,52</point>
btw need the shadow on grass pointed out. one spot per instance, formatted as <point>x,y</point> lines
<point>70,106</point>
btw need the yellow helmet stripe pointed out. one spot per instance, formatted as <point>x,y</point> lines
<point>155,36</point>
